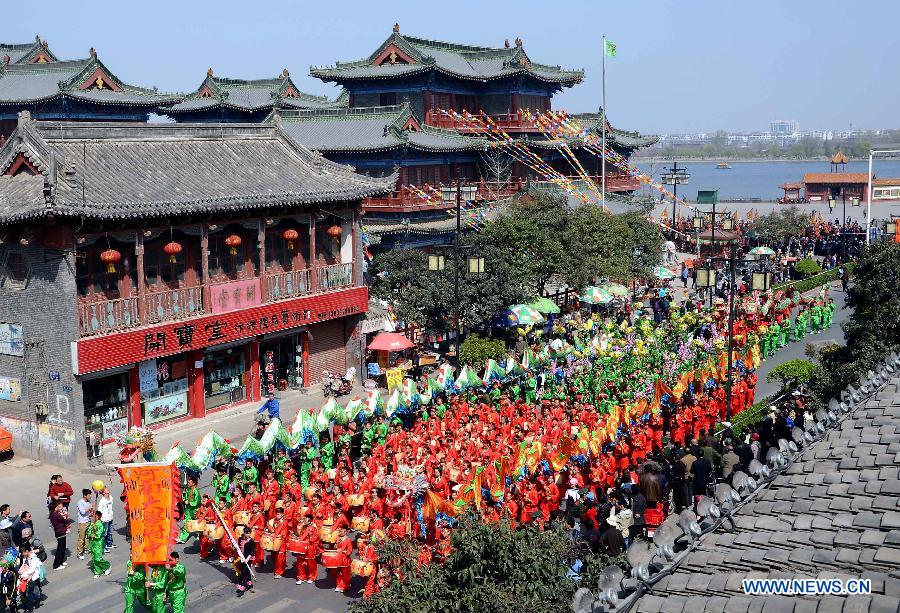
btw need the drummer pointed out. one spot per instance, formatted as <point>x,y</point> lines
<point>278,528</point>
<point>208,515</point>
<point>256,525</point>
<point>308,534</point>
<point>342,573</point>
<point>368,554</point>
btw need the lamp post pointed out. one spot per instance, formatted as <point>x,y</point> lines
<point>762,281</point>
<point>450,194</point>
<point>675,176</point>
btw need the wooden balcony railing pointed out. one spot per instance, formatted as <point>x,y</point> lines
<point>108,316</point>
<point>334,276</point>
<point>508,122</point>
<point>408,199</point>
<point>172,304</point>
<point>288,284</point>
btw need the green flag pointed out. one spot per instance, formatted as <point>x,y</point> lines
<point>609,48</point>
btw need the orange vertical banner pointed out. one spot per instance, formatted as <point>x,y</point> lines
<point>152,492</point>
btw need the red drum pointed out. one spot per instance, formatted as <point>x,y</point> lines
<point>334,559</point>
<point>297,546</point>
<point>361,568</point>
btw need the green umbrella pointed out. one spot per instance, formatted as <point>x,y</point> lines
<point>661,272</point>
<point>761,251</point>
<point>615,289</point>
<point>544,305</point>
<point>523,315</point>
<point>595,295</point>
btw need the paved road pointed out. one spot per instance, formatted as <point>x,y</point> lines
<point>793,351</point>
<point>209,584</point>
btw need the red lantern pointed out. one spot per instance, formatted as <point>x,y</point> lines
<point>110,257</point>
<point>335,232</point>
<point>290,235</point>
<point>172,249</point>
<point>233,241</point>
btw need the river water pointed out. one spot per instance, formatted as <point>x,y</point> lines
<point>752,179</point>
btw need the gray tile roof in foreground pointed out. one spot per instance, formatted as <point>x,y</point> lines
<point>834,513</point>
<point>132,170</point>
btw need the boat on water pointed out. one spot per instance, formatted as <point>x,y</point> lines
<point>723,166</point>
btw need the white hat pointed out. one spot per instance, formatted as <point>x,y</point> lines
<point>5,523</point>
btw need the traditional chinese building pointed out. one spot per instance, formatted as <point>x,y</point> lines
<point>163,271</point>
<point>434,77</point>
<point>37,52</point>
<point>72,90</point>
<point>225,100</point>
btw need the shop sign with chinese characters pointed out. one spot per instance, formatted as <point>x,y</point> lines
<point>132,346</point>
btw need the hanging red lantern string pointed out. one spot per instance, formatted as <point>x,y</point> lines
<point>290,235</point>
<point>110,257</point>
<point>335,232</point>
<point>233,242</point>
<point>172,249</point>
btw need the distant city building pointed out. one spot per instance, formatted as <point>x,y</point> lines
<point>784,127</point>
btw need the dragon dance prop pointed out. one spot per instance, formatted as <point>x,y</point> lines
<point>626,346</point>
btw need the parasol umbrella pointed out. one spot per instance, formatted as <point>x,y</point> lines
<point>390,341</point>
<point>544,305</point>
<point>595,295</point>
<point>761,250</point>
<point>523,315</point>
<point>615,289</point>
<point>661,272</point>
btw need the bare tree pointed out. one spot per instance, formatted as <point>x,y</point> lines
<point>496,164</point>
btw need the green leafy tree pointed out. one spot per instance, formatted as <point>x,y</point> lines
<point>873,329</point>
<point>807,267</point>
<point>491,568</point>
<point>780,224</point>
<point>475,350</point>
<point>792,373</point>
<point>603,245</point>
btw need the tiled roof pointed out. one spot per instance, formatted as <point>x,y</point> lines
<point>132,170</point>
<point>832,512</point>
<point>461,61</point>
<point>249,95</point>
<point>835,177</point>
<point>626,138</point>
<point>24,53</point>
<point>370,129</point>
<point>886,182</point>
<point>31,83</point>
<point>839,158</point>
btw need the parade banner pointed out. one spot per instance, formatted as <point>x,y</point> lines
<point>394,378</point>
<point>152,491</point>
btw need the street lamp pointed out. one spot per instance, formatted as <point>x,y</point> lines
<point>435,263</point>
<point>728,224</point>
<point>635,268</point>
<point>830,206</point>
<point>698,222</point>
<point>706,277</point>
<point>449,195</point>
<point>890,227</point>
<point>476,265</point>
<point>762,281</point>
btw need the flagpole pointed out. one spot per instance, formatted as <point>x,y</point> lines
<point>603,120</point>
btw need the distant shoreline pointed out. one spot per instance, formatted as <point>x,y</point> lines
<point>726,160</point>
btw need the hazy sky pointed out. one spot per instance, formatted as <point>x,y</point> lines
<point>683,66</point>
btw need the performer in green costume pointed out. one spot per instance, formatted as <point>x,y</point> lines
<point>191,500</point>
<point>156,583</point>
<point>135,590</point>
<point>221,485</point>
<point>97,539</point>
<point>176,591</point>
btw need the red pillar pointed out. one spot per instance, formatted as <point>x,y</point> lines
<point>196,395</point>
<point>253,370</point>
<point>134,397</point>
<point>304,344</point>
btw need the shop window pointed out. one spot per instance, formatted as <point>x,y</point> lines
<point>106,406</point>
<point>164,387</point>
<point>224,377</point>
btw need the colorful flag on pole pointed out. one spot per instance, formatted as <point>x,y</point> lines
<point>609,48</point>
<point>152,491</point>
